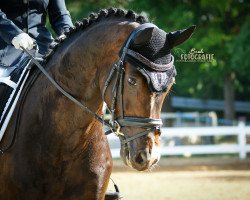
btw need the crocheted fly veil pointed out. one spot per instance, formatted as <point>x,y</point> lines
<point>150,52</point>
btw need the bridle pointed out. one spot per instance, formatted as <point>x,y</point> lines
<point>116,123</point>
<point>150,124</point>
<point>117,72</point>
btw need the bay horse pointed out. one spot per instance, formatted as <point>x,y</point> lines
<point>61,151</point>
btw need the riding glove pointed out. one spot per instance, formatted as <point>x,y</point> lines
<point>23,40</point>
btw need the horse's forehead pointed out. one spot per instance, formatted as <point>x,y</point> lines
<point>131,69</point>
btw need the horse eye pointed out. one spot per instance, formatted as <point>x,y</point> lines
<point>132,81</point>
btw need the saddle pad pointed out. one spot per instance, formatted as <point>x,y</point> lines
<point>12,93</point>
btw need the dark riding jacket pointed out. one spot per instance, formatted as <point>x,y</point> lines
<point>29,16</point>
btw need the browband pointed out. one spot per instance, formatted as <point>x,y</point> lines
<point>148,63</point>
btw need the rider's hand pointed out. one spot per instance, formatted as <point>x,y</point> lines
<point>23,40</point>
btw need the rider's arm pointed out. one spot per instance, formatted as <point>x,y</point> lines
<point>59,16</point>
<point>8,30</point>
<point>11,34</point>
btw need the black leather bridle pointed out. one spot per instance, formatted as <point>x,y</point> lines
<point>117,72</point>
<point>150,124</point>
<point>116,123</point>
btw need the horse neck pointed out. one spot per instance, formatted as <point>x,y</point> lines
<point>80,66</point>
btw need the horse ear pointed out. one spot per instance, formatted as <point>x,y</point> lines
<point>178,37</point>
<point>143,36</point>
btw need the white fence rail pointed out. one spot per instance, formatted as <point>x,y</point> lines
<point>241,147</point>
<point>209,104</point>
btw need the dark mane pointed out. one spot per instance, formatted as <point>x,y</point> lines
<point>93,18</point>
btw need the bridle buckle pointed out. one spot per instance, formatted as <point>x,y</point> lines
<point>117,129</point>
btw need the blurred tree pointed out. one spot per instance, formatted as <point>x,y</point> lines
<point>222,30</point>
<point>82,8</point>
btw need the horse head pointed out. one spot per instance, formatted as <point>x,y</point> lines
<point>143,76</point>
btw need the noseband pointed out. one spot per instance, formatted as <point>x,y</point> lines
<point>117,72</point>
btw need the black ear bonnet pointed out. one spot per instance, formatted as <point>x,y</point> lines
<point>147,48</point>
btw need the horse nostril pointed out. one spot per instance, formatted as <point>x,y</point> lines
<point>158,132</point>
<point>141,157</point>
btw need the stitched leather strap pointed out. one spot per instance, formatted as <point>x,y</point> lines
<point>148,63</point>
<point>139,122</point>
<point>82,106</point>
<point>124,141</point>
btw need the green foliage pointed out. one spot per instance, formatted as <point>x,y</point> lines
<point>222,29</point>
<point>82,8</point>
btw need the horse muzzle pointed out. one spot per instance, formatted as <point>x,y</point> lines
<point>142,153</point>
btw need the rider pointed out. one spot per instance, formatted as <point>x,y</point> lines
<point>21,23</point>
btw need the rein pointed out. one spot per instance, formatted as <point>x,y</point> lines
<point>116,123</point>
<point>66,94</point>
